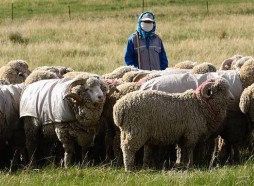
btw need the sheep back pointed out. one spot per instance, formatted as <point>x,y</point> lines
<point>146,113</point>
<point>45,100</point>
<point>9,106</point>
<point>178,83</point>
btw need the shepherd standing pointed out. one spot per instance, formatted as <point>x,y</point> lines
<point>144,48</point>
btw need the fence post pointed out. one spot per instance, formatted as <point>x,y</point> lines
<point>69,12</point>
<point>11,11</point>
<point>207,9</point>
<point>143,5</point>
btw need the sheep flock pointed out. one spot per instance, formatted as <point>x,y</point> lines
<point>189,115</point>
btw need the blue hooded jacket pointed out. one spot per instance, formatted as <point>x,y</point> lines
<point>131,56</point>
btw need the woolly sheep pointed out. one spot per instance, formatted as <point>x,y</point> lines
<point>156,117</point>
<point>197,69</point>
<point>119,72</point>
<point>58,70</point>
<point>237,64</point>
<point>227,63</point>
<point>112,136</point>
<point>76,74</point>
<point>246,103</point>
<point>11,130</point>
<point>14,72</point>
<point>180,82</point>
<point>185,64</point>
<point>63,109</point>
<point>203,68</point>
<point>40,75</point>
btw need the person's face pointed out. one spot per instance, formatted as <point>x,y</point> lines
<point>147,26</point>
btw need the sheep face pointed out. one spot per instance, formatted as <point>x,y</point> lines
<point>89,99</point>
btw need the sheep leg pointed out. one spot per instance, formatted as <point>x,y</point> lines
<point>236,153</point>
<point>117,148</point>
<point>31,133</point>
<point>148,150</point>
<point>108,141</point>
<point>130,144</point>
<point>68,145</point>
<point>68,153</point>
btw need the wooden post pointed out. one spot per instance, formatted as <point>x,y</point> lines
<point>143,6</point>
<point>207,8</point>
<point>69,12</point>
<point>12,11</point>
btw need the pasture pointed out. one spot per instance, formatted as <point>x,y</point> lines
<point>91,36</point>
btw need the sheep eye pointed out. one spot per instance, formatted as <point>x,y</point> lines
<point>209,92</point>
<point>20,74</point>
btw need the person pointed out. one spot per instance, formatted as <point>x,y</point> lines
<point>144,48</point>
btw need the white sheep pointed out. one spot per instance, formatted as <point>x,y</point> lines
<point>227,63</point>
<point>188,64</point>
<point>60,71</point>
<point>63,109</point>
<point>156,117</point>
<point>119,72</point>
<point>11,130</point>
<point>40,75</point>
<point>14,72</point>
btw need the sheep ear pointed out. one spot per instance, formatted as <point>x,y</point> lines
<point>139,76</point>
<point>245,101</point>
<point>206,90</point>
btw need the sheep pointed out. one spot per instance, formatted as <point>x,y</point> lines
<point>227,63</point>
<point>246,103</point>
<point>11,130</point>
<point>60,71</point>
<point>134,76</point>
<point>238,81</point>
<point>119,72</point>
<point>237,64</point>
<point>76,74</point>
<point>185,64</point>
<point>64,109</point>
<point>14,72</point>
<point>112,136</point>
<point>157,117</point>
<point>10,125</point>
<point>40,75</point>
<point>203,68</point>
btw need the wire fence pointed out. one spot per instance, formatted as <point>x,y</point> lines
<point>17,10</point>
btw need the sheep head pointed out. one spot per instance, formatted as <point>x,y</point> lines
<point>15,72</point>
<point>214,95</point>
<point>246,73</point>
<point>87,97</point>
<point>246,103</point>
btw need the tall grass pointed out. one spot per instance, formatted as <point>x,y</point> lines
<point>94,40</point>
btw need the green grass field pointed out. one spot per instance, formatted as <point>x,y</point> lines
<point>93,37</point>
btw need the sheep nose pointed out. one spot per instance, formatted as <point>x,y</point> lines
<point>101,98</point>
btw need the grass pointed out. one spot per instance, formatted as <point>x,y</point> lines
<point>93,39</point>
<point>227,175</point>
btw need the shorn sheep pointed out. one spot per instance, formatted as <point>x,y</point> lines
<point>156,117</point>
<point>63,109</point>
